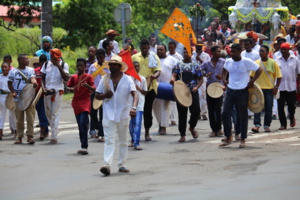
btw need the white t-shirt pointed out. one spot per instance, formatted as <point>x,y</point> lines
<point>118,106</point>
<point>53,77</point>
<point>17,81</point>
<point>239,72</point>
<point>203,56</point>
<point>153,49</point>
<point>176,55</point>
<point>256,48</point>
<point>116,49</point>
<point>253,55</point>
<point>167,65</point>
<point>143,86</point>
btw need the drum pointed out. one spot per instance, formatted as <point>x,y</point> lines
<point>97,103</point>
<point>182,94</point>
<point>9,102</point>
<point>256,100</point>
<point>165,91</point>
<point>215,90</point>
<point>26,97</point>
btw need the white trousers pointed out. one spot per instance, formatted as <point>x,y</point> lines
<point>2,110</point>
<point>275,107</point>
<point>162,109</point>
<point>173,112</point>
<point>110,130</point>
<point>12,120</point>
<point>202,97</point>
<point>52,110</point>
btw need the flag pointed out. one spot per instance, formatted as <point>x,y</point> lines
<point>178,27</point>
<point>126,57</point>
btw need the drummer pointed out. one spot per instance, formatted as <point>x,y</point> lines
<point>162,107</point>
<point>238,69</point>
<point>189,72</point>
<point>213,69</point>
<point>16,83</point>
<point>266,83</point>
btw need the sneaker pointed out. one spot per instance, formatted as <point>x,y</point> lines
<point>105,170</point>
<point>83,151</point>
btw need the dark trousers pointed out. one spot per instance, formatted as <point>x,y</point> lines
<point>40,109</point>
<point>239,99</point>
<point>268,109</point>
<point>149,98</point>
<point>96,123</point>
<point>290,99</point>
<point>182,114</point>
<point>214,106</point>
<point>83,124</point>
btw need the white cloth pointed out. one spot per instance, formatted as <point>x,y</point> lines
<point>176,55</point>
<point>98,78</point>
<point>174,112</point>
<point>289,40</point>
<point>110,129</point>
<point>290,68</point>
<point>17,81</point>
<point>203,56</point>
<point>162,109</point>
<point>12,120</point>
<point>153,49</point>
<point>116,49</point>
<point>253,55</point>
<point>53,77</point>
<point>202,97</point>
<point>167,65</point>
<point>118,106</point>
<point>239,72</point>
<point>3,84</point>
<point>108,58</point>
<point>256,48</point>
<point>275,107</point>
<point>152,60</point>
<point>143,86</point>
<point>2,110</point>
<point>278,54</point>
<point>52,110</point>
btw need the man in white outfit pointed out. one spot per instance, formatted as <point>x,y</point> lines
<point>162,107</point>
<point>199,57</point>
<point>54,73</point>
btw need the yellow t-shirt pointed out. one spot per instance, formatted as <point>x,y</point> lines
<point>263,80</point>
<point>145,70</point>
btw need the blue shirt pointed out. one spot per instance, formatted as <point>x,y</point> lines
<point>42,51</point>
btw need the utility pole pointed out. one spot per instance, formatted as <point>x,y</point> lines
<point>46,18</point>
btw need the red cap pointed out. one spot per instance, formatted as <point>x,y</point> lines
<point>285,46</point>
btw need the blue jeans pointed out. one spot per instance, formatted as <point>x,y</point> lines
<point>135,128</point>
<point>239,99</point>
<point>40,109</point>
<point>268,109</point>
<point>83,126</point>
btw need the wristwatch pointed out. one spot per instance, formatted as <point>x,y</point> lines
<point>134,108</point>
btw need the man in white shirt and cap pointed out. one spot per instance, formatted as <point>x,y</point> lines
<point>111,34</point>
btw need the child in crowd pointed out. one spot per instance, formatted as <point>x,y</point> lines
<point>82,84</point>
<point>136,123</point>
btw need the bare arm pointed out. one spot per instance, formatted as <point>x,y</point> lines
<point>135,96</point>
<point>155,75</point>
<point>257,74</point>
<point>11,88</point>
<point>224,77</point>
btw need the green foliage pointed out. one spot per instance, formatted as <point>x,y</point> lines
<point>85,20</point>
<point>71,56</point>
<point>294,6</point>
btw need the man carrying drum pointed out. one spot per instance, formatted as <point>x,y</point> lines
<point>189,72</point>
<point>17,80</point>
<point>161,105</point>
<point>213,69</point>
<point>238,69</point>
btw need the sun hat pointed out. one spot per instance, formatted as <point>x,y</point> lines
<point>33,60</point>
<point>256,100</point>
<point>112,32</point>
<point>116,59</point>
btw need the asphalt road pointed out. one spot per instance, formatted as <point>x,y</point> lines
<point>268,168</point>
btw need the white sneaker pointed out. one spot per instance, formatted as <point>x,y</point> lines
<point>83,151</point>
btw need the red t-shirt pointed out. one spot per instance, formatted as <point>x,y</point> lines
<point>81,100</point>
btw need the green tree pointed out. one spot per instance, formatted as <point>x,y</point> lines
<point>294,6</point>
<point>85,20</point>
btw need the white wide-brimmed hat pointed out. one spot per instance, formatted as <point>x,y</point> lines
<point>116,59</point>
<point>33,60</point>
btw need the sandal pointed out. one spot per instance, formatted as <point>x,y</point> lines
<point>212,134</point>
<point>282,128</point>
<point>138,148</point>
<point>267,130</point>
<point>30,140</point>
<point>242,144</point>
<point>182,139</point>
<point>148,138</point>
<point>131,144</point>
<point>237,138</point>
<point>293,122</point>
<point>19,141</point>
<point>124,169</point>
<point>227,142</point>
<point>194,133</point>
<point>255,129</point>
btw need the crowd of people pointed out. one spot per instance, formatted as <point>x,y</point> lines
<point>236,64</point>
